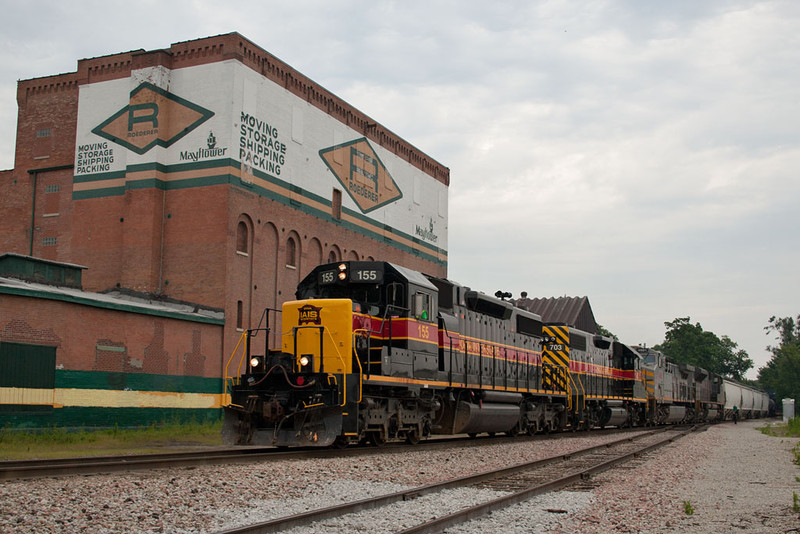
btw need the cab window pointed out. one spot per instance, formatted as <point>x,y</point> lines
<point>422,307</point>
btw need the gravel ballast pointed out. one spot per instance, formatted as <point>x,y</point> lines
<point>734,478</point>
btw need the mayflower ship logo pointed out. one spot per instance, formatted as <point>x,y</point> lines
<point>359,169</point>
<point>309,315</point>
<point>426,233</point>
<point>202,153</point>
<point>152,117</point>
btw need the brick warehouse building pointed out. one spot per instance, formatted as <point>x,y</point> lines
<point>181,192</point>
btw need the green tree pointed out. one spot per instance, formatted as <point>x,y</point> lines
<point>733,361</point>
<point>685,342</point>
<point>782,373</point>
<point>603,331</point>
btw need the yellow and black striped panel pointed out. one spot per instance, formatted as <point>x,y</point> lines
<point>649,382</point>
<point>556,346</point>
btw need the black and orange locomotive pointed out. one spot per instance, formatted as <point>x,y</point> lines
<point>372,351</point>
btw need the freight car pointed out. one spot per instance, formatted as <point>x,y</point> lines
<point>751,402</point>
<point>372,351</point>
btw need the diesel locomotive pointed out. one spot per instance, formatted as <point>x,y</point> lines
<point>373,352</point>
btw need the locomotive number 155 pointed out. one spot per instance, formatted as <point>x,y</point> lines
<point>365,275</point>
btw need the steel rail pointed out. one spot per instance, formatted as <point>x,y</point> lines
<point>478,511</point>
<point>107,464</point>
<point>306,518</point>
<point>85,465</point>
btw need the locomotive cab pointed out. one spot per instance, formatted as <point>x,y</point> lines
<point>351,320</point>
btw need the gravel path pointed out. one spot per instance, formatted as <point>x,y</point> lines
<point>734,477</point>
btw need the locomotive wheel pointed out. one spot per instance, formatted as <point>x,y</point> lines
<point>412,437</point>
<point>527,427</point>
<point>544,426</point>
<point>472,435</point>
<point>514,432</point>
<point>340,442</point>
<point>245,431</point>
<point>555,424</point>
<point>377,438</point>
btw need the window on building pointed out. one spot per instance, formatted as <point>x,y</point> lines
<point>291,253</point>
<point>239,313</point>
<point>53,188</point>
<point>241,237</point>
<point>43,132</point>
<point>48,241</point>
<point>332,257</point>
<point>336,204</point>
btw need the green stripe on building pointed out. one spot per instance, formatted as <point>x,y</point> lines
<point>137,382</point>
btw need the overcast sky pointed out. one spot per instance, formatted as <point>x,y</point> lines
<point>642,153</point>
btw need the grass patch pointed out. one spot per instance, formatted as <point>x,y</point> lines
<point>790,429</point>
<point>783,430</point>
<point>62,443</point>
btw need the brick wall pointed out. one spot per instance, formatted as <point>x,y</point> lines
<point>98,339</point>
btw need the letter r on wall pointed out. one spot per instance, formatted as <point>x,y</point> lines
<point>134,117</point>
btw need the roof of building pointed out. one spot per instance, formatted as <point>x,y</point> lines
<point>572,311</point>
<point>113,301</point>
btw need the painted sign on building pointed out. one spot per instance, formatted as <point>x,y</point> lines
<point>218,122</point>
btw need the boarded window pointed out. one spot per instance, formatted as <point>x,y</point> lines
<point>241,237</point>
<point>291,253</point>
<point>336,204</point>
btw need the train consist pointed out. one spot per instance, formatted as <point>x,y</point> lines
<point>372,351</point>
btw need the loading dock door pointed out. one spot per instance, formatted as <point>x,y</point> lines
<point>27,377</point>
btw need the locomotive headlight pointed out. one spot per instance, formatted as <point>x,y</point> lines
<point>342,271</point>
<point>254,362</point>
<point>304,361</point>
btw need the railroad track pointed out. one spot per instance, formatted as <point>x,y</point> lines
<point>10,470</point>
<point>520,482</point>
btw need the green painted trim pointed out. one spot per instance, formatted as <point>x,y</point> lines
<point>98,177</point>
<point>70,379</point>
<point>221,163</point>
<point>86,301</point>
<point>81,417</point>
<point>99,193</point>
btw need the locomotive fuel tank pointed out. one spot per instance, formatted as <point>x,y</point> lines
<point>485,417</point>
<point>676,414</point>
<point>614,414</point>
